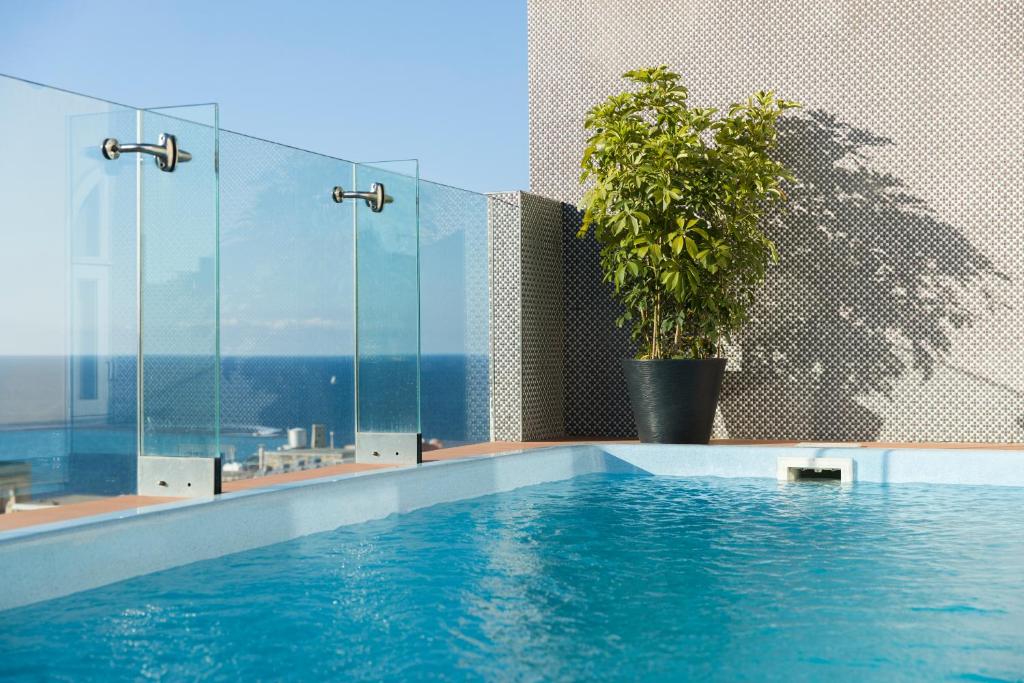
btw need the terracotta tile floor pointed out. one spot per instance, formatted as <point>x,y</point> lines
<point>101,506</point>
<point>60,513</point>
<point>286,477</point>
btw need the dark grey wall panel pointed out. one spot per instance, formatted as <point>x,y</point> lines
<point>596,403</point>
<point>896,311</point>
<point>543,318</point>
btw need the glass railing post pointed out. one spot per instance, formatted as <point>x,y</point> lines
<point>388,316</point>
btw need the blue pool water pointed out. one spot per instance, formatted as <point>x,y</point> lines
<point>604,577</point>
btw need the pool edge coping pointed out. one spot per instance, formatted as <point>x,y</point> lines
<point>608,448</point>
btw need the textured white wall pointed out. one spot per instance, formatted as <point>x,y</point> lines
<point>897,310</point>
<point>527,317</point>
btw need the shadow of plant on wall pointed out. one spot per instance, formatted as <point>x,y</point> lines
<point>871,285</point>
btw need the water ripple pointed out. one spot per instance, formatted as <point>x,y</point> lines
<point>605,577</point>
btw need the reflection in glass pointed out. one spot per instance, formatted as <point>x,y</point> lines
<point>287,309</point>
<point>455,313</point>
<point>179,316</point>
<point>245,283</point>
<point>68,297</point>
<point>387,301</point>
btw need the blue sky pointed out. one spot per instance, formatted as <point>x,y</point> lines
<point>443,81</point>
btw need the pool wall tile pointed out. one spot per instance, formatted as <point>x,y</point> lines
<point>47,562</point>
<point>876,465</point>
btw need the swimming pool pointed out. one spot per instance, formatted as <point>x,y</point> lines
<point>599,576</point>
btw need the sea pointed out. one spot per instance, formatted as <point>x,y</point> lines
<point>73,421</point>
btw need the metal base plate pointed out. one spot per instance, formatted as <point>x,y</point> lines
<point>389,448</point>
<point>178,477</point>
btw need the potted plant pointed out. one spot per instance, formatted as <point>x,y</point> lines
<point>675,198</point>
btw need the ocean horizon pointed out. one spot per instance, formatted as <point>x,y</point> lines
<point>89,446</point>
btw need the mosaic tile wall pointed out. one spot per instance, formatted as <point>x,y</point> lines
<point>527,317</point>
<point>506,316</point>
<point>896,312</point>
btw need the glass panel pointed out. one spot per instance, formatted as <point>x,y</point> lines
<point>101,297</point>
<point>253,326</point>
<point>180,370</point>
<point>455,312</point>
<point>287,308</point>
<point>67,298</point>
<point>387,301</point>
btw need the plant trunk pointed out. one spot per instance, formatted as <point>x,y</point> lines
<point>654,332</point>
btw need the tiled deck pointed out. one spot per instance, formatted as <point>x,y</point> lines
<point>60,513</point>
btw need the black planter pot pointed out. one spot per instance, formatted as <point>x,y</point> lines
<point>674,400</point>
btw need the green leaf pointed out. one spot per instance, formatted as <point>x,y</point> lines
<point>665,177</point>
<point>691,248</point>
